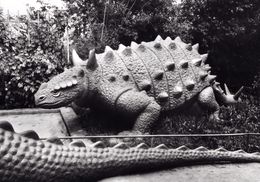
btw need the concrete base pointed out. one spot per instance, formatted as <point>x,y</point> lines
<point>46,123</point>
<point>247,172</point>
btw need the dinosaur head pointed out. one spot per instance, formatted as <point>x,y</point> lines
<point>61,89</point>
<point>67,86</point>
<point>227,98</point>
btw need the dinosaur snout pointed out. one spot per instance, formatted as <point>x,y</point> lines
<point>39,99</point>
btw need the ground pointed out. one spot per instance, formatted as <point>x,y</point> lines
<point>199,173</point>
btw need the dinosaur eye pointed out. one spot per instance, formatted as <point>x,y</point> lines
<point>56,94</point>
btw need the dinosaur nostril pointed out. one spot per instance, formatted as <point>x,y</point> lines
<point>42,97</point>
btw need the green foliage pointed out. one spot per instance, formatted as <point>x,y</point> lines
<point>31,52</point>
<point>243,118</point>
<point>118,21</point>
<point>46,29</point>
<point>239,119</point>
<point>229,30</point>
<point>23,76</point>
<point>256,86</point>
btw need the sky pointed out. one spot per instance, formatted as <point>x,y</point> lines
<point>19,6</point>
<point>15,7</point>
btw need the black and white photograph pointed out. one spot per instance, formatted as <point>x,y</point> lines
<point>129,91</point>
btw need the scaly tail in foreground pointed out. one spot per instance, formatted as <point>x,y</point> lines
<point>25,159</point>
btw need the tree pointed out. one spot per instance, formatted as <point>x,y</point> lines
<point>230,30</point>
<point>114,22</point>
<point>31,52</point>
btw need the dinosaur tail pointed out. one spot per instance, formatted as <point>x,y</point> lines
<point>25,159</point>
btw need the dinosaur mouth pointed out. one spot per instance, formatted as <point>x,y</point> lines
<point>47,105</point>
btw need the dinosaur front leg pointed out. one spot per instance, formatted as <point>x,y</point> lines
<point>141,105</point>
<point>147,117</point>
<point>207,100</point>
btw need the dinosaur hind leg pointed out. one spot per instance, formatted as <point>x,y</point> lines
<point>207,100</point>
<point>141,105</point>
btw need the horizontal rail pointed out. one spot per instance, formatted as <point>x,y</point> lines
<point>28,111</point>
<point>158,136</point>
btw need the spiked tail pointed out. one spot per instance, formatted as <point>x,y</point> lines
<point>236,96</point>
<point>96,158</point>
<point>227,97</point>
<point>227,90</point>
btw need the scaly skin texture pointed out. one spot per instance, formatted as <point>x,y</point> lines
<point>141,81</point>
<point>25,159</point>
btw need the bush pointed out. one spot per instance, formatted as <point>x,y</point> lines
<point>31,53</point>
<point>23,75</point>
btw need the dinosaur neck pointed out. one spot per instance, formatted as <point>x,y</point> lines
<point>88,95</point>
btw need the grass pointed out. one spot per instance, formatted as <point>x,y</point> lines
<point>242,118</point>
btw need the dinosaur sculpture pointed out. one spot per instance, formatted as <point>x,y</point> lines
<point>139,81</point>
<point>30,159</point>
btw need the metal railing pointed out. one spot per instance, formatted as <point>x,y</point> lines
<point>160,135</point>
<point>238,140</point>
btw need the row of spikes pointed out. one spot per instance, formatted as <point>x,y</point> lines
<point>29,133</point>
<point>127,51</point>
<point>172,44</point>
<point>146,85</point>
<point>170,66</point>
<point>5,125</point>
<point>66,84</point>
<point>157,44</point>
<point>122,145</point>
<point>178,90</point>
<point>33,135</point>
<point>204,73</point>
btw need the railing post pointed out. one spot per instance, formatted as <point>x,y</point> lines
<point>152,142</point>
<point>247,141</point>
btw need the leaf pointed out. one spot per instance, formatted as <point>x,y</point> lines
<point>26,88</point>
<point>32,89</point>
<point>20,85</point>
